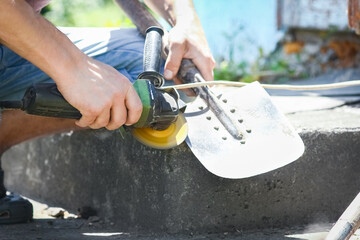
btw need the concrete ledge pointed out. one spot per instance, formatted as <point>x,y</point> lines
<point>147,190</point>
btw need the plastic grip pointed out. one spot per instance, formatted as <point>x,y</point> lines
<point>152,49</point>
<point>44,99</point>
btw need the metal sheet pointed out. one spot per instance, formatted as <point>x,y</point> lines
<point>269,140</point>
<point>312,14</point>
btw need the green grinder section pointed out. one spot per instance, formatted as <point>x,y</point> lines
<point>143,88</point>
<point>160,108</point>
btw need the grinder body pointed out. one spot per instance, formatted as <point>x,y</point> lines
<point>160,108</point>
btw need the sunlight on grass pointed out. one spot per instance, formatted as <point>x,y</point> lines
<point>99,13</point>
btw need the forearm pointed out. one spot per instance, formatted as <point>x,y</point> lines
<point>174,11</point>
<point>104,97</point>
<point>35,39</point>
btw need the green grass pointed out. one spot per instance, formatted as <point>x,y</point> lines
<point>79,13</point>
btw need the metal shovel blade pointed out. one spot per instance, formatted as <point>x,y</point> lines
<point>269,141</point>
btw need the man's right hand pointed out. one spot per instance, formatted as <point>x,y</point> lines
<point>104,97</point>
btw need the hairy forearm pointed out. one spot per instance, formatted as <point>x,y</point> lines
<point>34,38</point>
<point>174,11</point>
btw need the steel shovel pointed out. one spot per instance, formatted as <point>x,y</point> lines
<point>257,137</point>
<point>268,140</point>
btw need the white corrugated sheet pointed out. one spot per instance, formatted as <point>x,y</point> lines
<point>313,14</point>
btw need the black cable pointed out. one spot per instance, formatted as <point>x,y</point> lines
<point>11,104</point>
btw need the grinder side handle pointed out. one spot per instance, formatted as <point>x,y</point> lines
<point>152,56</point>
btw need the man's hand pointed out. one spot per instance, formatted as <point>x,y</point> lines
<point>187,40</point>
<point>104,97</point>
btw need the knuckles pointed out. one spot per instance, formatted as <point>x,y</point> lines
<point>115,124</point>
<point>138,109</point>
<point>94,111</point>
<point>136,114</point>
<point>177,43</point>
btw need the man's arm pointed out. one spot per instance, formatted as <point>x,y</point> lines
<point>187,39</point>
<point>104,97</point>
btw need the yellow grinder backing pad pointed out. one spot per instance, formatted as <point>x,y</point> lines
<point>171,137</point>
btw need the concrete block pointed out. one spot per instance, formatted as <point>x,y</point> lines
<point>145,190</point>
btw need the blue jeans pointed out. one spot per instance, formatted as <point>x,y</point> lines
<point>120,48</point>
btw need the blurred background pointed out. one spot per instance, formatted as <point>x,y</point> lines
<point>238,31</point>
<point>257,40</point>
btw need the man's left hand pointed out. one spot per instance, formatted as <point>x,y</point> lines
<point>188,40</point>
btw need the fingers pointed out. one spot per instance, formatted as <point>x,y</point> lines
<point>113,117</point>
<point>107,100</point>
<point>95,118</point>
<point>126,111</point>
<point>173,61</point>
<point>118,116</point>
<point>180,48</point>
<point>118,113</point>
<point>85,120</point>
<point>134,107</point>
<point>102,120</point>
<point>205,64</point>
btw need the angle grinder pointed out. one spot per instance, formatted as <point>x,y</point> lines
<point>161,125</point>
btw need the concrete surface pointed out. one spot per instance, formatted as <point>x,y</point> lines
<point>45,226</point>
<point>75,229</point>
<point>145,191</point>
<point>141,189</point>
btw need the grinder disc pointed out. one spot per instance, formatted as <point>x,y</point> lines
<point>171,137</point>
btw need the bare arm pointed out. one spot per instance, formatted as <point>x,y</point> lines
<point>104,97</point>
<point>187,39</point>
<point>34,38</point>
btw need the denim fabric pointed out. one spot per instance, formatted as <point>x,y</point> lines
<point>120,48</point>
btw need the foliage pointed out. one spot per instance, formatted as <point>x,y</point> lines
<point>105,13</point>
<point>264,66</point>
<point>82,13</point>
